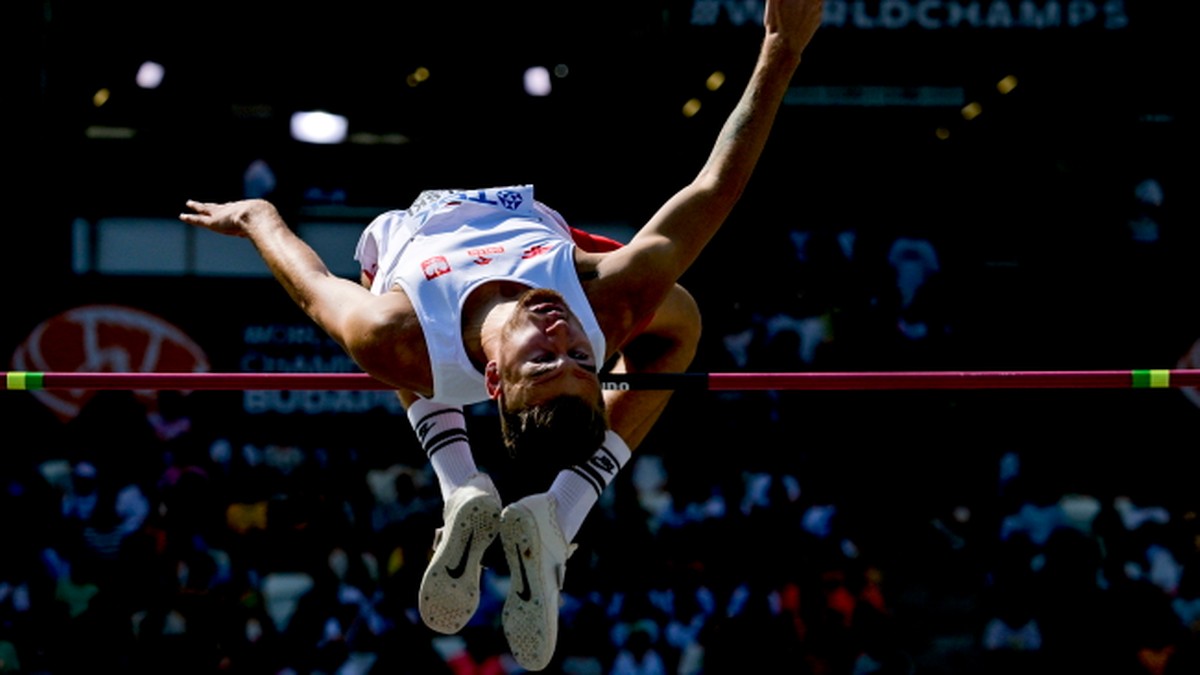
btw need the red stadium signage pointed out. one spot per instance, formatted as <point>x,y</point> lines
<point>105,339</point>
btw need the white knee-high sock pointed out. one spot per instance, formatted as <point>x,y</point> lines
<point>442,432</point>
<point>577,488</point>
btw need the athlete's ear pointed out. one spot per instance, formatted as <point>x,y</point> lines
<point>491,378</point>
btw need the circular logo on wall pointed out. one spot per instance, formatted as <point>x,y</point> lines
<point>105,339</point>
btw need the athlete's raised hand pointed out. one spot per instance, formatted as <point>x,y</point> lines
<point>793,20</point>
<point>231,218</point>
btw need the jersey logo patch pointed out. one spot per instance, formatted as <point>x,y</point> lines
<point>484,255</point>
<point>535,250</point>
<point>435,267</point>
<point>485,251</point>
<point>509,199</point>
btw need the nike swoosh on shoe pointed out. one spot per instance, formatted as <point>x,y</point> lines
<point>457,570</point>
<point>524,594</point>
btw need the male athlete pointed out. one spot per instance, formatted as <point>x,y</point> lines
<point>472,295</point>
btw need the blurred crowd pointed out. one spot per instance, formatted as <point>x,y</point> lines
<point>144,551</point>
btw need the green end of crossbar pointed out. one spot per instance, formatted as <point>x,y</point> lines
<point>23,381</point>
<point>1151,379</point>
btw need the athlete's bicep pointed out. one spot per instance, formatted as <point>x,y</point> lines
<point>628,285</point>
<point>675,235</point>
<point>384,339</point>
<point>339,306</point>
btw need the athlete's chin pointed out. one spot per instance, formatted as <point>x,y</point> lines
<point>536,295</point>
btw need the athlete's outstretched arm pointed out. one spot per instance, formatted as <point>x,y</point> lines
<point>669,243</point>
<point>364,324</point>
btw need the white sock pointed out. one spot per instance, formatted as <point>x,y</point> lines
<point>442,432</point>
<point>577,488</point>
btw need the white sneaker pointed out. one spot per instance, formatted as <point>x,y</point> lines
<point>449,592</point>
<point>537,555</point>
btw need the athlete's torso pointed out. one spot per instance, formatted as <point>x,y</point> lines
<point>450,243</point>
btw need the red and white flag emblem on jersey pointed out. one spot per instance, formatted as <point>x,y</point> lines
<point>435,267</point>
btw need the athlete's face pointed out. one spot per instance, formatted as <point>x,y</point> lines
<point>544,353</point>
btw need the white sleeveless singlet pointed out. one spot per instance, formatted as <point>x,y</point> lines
<point>450,241</point>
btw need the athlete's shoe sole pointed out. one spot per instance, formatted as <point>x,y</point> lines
<point>536,553</point>
<point>450,592</point>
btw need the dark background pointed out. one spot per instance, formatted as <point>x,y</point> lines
<point>1031,198</point>
<point>1028,207</point>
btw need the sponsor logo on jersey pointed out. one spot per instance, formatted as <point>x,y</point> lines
<point>486,250</point>
<point>483,256</point>
<point>535,250</point>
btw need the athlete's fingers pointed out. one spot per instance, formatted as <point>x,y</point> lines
<point>200,207</point>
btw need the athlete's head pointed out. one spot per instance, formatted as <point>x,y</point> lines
<point>545,380</point>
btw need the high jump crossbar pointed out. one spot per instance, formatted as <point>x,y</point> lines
<point>811,381</point>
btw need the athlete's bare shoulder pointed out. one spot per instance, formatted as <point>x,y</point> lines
<point>617,295</point>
